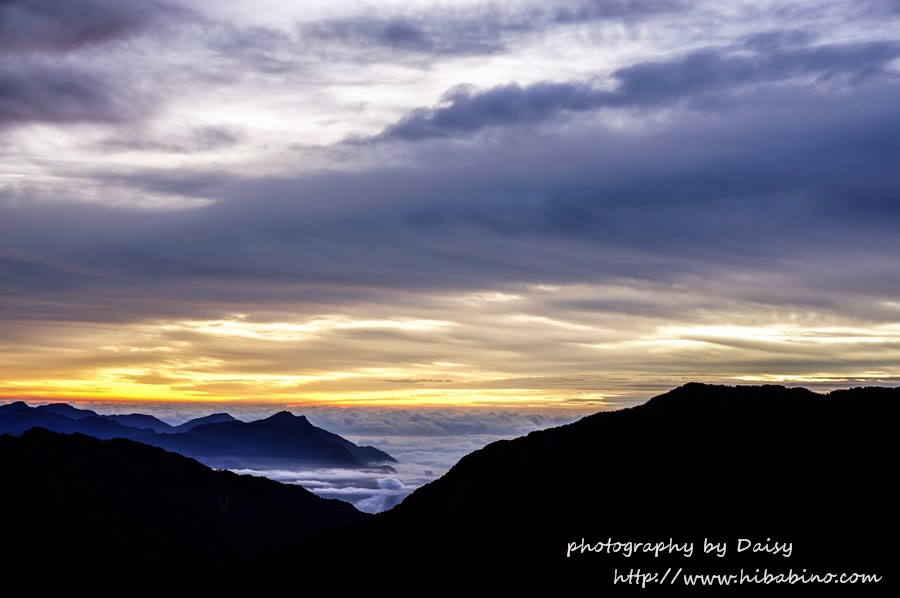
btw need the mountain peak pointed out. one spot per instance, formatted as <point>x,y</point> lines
<point>281,416</point>
<point>15,406</point>
<point>286,417</point>
<point>213,418</point>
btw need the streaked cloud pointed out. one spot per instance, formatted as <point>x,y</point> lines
<point>470,29</point>
<point>704,76</point>
<point>607,199</point>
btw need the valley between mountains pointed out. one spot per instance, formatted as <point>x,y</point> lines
<point>763,465</point>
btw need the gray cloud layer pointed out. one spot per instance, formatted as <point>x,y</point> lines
<point>55,95</point>
<point>63,25</point>
<point>40,82</point>
<point>696,76</point>
<point>763,185</point>
<point>744,169</point>
<point>444,31</point>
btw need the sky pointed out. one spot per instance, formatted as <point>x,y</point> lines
<point>574,205</point>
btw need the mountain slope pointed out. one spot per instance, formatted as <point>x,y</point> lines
<point>723,463</point>
<point>213,418</point>
<point>285,437</point>
<point>140,420</point>
<point>66,410</point>
<point>218,440</point>
<point>121,518</point>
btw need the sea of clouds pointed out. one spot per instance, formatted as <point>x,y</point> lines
<point>426,442</point>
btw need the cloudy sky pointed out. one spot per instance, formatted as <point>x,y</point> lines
<point>574,203</point>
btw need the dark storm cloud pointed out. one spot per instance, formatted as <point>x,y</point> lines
<point>65,25</point>
<point>465,110</point>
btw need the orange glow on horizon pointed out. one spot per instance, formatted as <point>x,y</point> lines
<point>494,350</point>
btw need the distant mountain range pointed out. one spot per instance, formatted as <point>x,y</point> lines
<point>218,440</point>
<point>762,466</point>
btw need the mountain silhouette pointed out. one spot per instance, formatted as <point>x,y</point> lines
<point>141,421</point>
<point>765,464</point>
<point>120,518</point>
<point>218,440</point>
<point>213,418</point>
<point>286,438</point>
<point>70,411</point>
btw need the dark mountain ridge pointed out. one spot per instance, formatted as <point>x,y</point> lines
<point>120,518</point>
<point>765,464</point>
